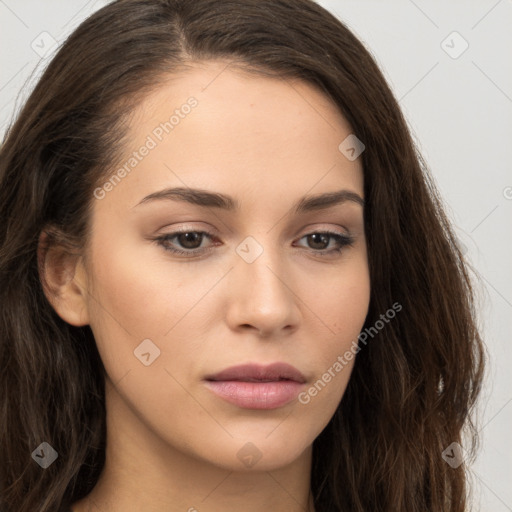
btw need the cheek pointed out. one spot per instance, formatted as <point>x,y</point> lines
<point>135,296</point>
<point>341,300</point>
<point>128,303</point>
<point>130,289</point>
<point>342,308</point>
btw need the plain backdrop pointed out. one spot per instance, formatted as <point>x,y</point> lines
<point>449,66</point>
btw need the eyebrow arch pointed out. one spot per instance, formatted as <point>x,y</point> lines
<point>210,199</point>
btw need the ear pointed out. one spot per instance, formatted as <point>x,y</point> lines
<point>63,278</point>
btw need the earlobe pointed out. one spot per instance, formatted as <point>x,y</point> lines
<point>63,279</point>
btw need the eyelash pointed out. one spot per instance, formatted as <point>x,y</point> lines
<point>342,239</point>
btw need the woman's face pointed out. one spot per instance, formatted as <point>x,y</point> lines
<point>258,288</point>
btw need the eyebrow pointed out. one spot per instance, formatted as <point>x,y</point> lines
<point>208,199</point>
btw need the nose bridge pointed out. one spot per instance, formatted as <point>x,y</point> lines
<point>261,264</point>
<point>261,294</point>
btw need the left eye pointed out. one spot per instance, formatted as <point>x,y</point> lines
<point>191,242</point>
<point>187,239</point>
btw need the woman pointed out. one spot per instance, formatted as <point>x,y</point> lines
<point>227,280</point>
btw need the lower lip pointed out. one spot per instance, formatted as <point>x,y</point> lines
<point>256,395</point>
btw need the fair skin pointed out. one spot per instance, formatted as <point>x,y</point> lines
<point>172,444</point>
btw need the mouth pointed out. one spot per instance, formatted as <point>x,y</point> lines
<point>257,373</point>
<point>254,386</point>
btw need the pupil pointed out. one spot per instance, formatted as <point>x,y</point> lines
<point>323,239</point>
<point>189,238</point>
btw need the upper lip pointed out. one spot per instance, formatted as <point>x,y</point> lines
<point>259,373</point>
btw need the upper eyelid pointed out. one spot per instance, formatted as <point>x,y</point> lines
<point>213,233</point>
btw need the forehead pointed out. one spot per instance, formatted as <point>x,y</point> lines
<point>214,126</point>
<point>241,96</point>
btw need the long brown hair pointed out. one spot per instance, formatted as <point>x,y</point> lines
<point>413,386</point>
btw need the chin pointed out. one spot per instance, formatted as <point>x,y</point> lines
<point>261,452</point>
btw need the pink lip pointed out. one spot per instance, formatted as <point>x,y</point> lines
<point>254,386</point>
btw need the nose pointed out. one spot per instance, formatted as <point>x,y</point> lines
<point>261,295</point>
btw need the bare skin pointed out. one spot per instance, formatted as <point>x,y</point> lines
<point>173,444</point>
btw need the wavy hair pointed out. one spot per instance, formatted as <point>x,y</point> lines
<point>413,387</point>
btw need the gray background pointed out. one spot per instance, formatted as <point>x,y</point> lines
<point>459,108</point>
